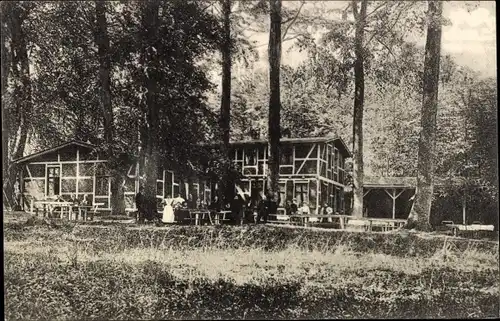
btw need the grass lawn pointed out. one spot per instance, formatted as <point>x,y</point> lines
<point>66,271</point>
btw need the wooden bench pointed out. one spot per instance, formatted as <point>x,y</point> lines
<point>221,217</point>
<point>356,224</point>
<point>279,218</point>
<point>48,207</point>
<point>83,211</point>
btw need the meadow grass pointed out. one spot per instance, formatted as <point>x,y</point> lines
<point>96,272</point>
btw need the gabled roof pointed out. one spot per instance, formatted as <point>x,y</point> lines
<point>411,182</point>
<point>408,182</point>
<point>285,140</point>
<point>54,149</point>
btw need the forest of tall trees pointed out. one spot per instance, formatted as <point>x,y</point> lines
<point>134,78</point>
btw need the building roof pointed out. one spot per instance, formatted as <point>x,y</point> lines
<point>286,140</point>
<point>411,182</point>
<point>373,182</point>
<point>54,149</point>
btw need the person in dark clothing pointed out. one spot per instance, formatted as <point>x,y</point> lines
<point>236,209</point>
<point>262,210</point>
<point>215,205</point>
<point>288,209</point>
<point>293,207</point>
<point>272,205</point>
<point>139,203</point>
<point>191,202</point>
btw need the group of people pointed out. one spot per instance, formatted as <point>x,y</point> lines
<point>293,208</point>
<point>242,207</point>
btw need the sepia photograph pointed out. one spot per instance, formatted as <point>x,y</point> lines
<point>249,159</point>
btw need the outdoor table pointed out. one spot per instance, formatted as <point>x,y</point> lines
<point>218,216</point>
<point>84,209</point>
<point>48,206</point>
<point>200,215</point>
<point>306,217</point>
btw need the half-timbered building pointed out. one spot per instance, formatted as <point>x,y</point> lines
<point>75,168</point>
<point>312,170</point>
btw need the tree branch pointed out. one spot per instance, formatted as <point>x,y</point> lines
<point>393,25</point>
<point>293,20</point>
<point>377,8</point>
<point>354,9</point>
<point>207,7</point>
<point>292,37</point>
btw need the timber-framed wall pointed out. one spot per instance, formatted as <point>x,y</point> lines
<point>73,169</point>
<point>312,169</point>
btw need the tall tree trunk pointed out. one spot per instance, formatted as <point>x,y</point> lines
<point>274,53</point>
<point>16,14</point>
<point>5,131</point>
<point>22,80</point>
<point>5,77</point>
<point>150,24</point>
<point>117,177</point>
<point>359,97</point>
<point>420,214</point>
<point>225,109</point>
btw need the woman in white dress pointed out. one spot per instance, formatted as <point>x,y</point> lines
<point>168,211</point>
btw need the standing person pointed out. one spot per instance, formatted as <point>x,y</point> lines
<point>288,209</point>
<point>329,211</point>
<point>191,203</point>
<point>272,206</point>
<point>74,209</point>
<point>262,210</point>
<point>214,207</point>
<point>294,207</point>
<point>168,210</point>
<point>236,208</point>
<point>322,211</point>
<point>85,202</point>
<point>139,203</point>
<point>304,209</point>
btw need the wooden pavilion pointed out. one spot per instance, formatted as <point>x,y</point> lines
<point>388,197</point>
<point>392,197</point>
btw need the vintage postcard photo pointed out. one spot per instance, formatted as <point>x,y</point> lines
<point>249,159</point>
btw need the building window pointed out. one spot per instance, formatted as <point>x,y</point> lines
<point>282,191</point>
<point>301,192</point>
<point>286,155</point>
<point>250,157</point>
<point>301,151</point>
<point>101,185</point>
<point>53,181</point>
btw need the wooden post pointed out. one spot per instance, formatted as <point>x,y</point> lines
<point>394,203</point>
<point>318,181</point>
<point>464,204</point>
<point>77,171</point>
<point>393,196</point>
